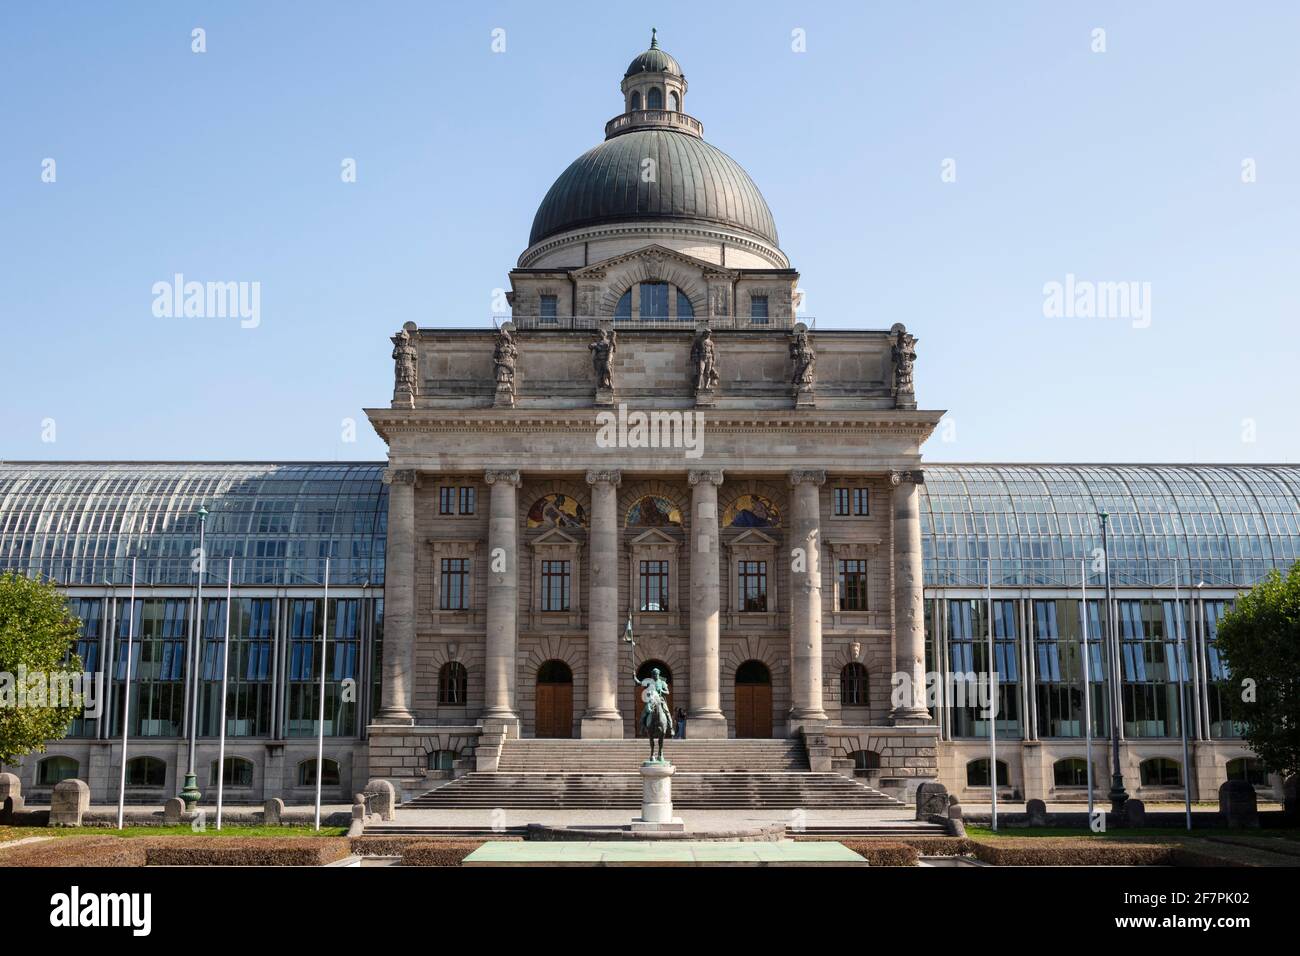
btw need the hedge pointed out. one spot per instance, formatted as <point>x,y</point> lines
<point>244,851</point>
<point>438,852</point>
<point>76,851</point>
<point>1068,851</point>
<point>880,853</point>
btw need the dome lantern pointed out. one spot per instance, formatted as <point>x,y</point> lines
<point>654,81</point>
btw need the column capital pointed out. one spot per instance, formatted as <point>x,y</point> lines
<point>808,477</point>
<point>609,476</point>
<point>916,477</point>
<point>505,476</point>
<point>400,476</point>
<point>712,476</point>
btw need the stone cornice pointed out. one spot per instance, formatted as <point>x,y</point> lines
<point>808,476</point>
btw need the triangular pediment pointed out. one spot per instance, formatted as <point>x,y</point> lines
<point>653,255</point>
<point>554,536</point>
<point>752,536</point>
<point>653,536</point>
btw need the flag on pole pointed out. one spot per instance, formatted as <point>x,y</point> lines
<point>126,701</point>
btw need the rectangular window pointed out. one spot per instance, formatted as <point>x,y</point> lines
<point>455,584</point>
<point>861,502</point>
<point>758,309</point>
<point>446,500</point>
<point>753,585</point>
<point>654,585</point>
<point>547,310</point>
<point>841,501</point>
<point>467,499</point>
<point>853,585</point>
<point>555,585</point>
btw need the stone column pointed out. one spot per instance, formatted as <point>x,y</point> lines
<point>806,602</point>
<point>705,718</point>
<point>602,718</point>
<point>501,639</point>
<point>398,666</point>
<point>909,599</point>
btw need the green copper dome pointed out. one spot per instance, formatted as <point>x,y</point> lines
<point>693,182</point>
<point>653,60</point>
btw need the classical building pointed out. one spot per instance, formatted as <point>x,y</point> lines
<point>655,443</point>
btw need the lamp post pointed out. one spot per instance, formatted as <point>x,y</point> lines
<point>1118,796</point>
<point>190,792</point>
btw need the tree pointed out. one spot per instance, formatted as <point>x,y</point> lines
<point>1260,643</point>
<point>37,635</point>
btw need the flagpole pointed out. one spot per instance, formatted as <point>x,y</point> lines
<point>1087,675</point>
<point>126,701</point>
<point>320,722</point>
<point>225,670</point>
<point>993,705</point>
<point>1182,697</point>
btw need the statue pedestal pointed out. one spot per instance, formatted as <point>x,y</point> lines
<point>804,398</point>
<point>657,798</point>
<point>706,397</point>
<point>604,396</point>
<point>505,396</point>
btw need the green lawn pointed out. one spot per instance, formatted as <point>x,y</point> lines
<point>1146,833</point>
<point>18,833</point>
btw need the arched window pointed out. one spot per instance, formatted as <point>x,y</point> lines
<point>653,511</point>
<point>1161,772</point>
<point>753,672</point>
<point>146,772</point>
<point>654,100</point>
<point>624,308</point>
<point>453,680</point>
<point>654,301</point>
<point>864,761</point>
<point>1250,769</point>
<point>751,511</point>
<point>1070,772</point>
<point>853,685</point>
<point>307,773</point>
<point>685,311</point>
<point>636,99</point>
<point>557,511</point>
<point>238,773</point>
<point>977,773</point>
<point>51,770</point>
<point>674,103</point>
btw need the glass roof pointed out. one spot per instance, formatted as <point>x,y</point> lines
<point>82,523</point>
<point>1225,525</point>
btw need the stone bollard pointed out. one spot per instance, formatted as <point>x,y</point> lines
<point>1237,804</point>
<point>956,825</point>
<point>272,812</point>
<point>1037,811</point>
<point>358,825</point>
<point>383,799</point>
<point>69,800</point>
<point>173,810</point>
<point>1135,813</point>
<point>11,797</point>
<point>931,800</point>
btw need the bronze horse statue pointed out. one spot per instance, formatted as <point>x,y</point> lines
<point>655,718</point>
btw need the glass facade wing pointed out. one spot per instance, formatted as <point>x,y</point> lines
<point>82,523</point>
<point>1226,525</point>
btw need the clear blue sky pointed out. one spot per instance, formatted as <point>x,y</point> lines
<point>1122,165</point>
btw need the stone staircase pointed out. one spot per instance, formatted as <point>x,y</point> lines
<point>711,774</point>
<point>531,755</point>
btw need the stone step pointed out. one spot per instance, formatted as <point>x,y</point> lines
<point>541,754</point>
<point>690,790</point>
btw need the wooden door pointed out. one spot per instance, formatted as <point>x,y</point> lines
<point>753,710</point>
<point>554,710</point>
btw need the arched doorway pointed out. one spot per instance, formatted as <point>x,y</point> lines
<point>554,700</point>
<point>753,700</point>
<point>642,672</point>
